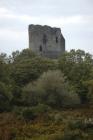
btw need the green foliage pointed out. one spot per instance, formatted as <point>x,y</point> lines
<point>81,124</point>
<point>74,135</point>
<point>31,113</point>
<point>28,114</point>
<point>54,90</point>
<point>89,87</point>
<point>27,70</point>
<point>5,97</point>
<point>77,66</point>
<point>41,95</point>
<point>20,56</point>
<point>52,137</point>
<point>16,96</point>
<point>2,70</point>
<point>45,129</point>
<point>51,89</point>
<point>29,95</point>
<point>41,109</point>
<point>79,63</point>
<point>76,124</point>
<point>29,80</point>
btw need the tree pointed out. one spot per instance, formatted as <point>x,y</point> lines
<point>23,55</point>
<point>89,88</point>
<point>4,71</point>
<point>51,89</point>
<point>77,66</point>
<point>5,97</point>
<point>27,70</point>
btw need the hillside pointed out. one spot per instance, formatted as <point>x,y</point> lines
<point>46,99</point>
<point>69,124</point>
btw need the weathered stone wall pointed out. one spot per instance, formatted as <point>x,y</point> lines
<point>46,41</point>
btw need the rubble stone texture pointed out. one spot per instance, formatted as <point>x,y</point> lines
<point>46,41</point>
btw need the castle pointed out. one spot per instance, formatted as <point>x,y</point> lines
<point>46,41</point>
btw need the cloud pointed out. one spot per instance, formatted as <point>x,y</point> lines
<point>26,18</point>
<point>75,18</point>
<point>49,7</point>
<point>7,34</point>
<point>9,15</point>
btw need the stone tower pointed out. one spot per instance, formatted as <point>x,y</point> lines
<point>46,41</point>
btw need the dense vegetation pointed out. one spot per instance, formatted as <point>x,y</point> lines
<point>39,92</point>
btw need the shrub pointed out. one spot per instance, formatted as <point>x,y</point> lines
<point>4,97</point>
<point>89,85</point>
<point>29,95</point>
<point>28,114</point>
<point>76,124</point>
<point>40,109</point>
<point>73,135</point>
<point>16,96</point>
<point>50,137</point>
<point>51,89</point>
<point>29,69</point>
<point>55,137</point>
<point>58,118</point>
<point>54,90</point>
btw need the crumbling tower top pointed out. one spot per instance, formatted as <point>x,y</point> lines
<point>46,41</point>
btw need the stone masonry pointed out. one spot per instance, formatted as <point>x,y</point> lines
<point>46,41</point>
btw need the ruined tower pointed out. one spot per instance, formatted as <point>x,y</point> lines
<point>46,41</point>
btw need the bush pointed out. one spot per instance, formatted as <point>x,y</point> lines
<point>29,95</point>
<point>29,69</point>
<point>54,90</point>
<point>5,97</point>
<point>73,135</point>
<point>50,137</point>
<point>89,86</point>
<point>16,96</point>
<point>51,89</point>
<point>76,124</point>
<point>28,114</point>
<point>55,137</point>
<point>40,109</point>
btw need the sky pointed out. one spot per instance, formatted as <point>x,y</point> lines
<point>74,17</point>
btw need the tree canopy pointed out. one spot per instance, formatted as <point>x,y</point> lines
<point>24,73</point>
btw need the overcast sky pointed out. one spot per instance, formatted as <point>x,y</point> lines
<point>74,17</point>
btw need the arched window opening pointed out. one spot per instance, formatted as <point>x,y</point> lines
<point>56,39</point>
